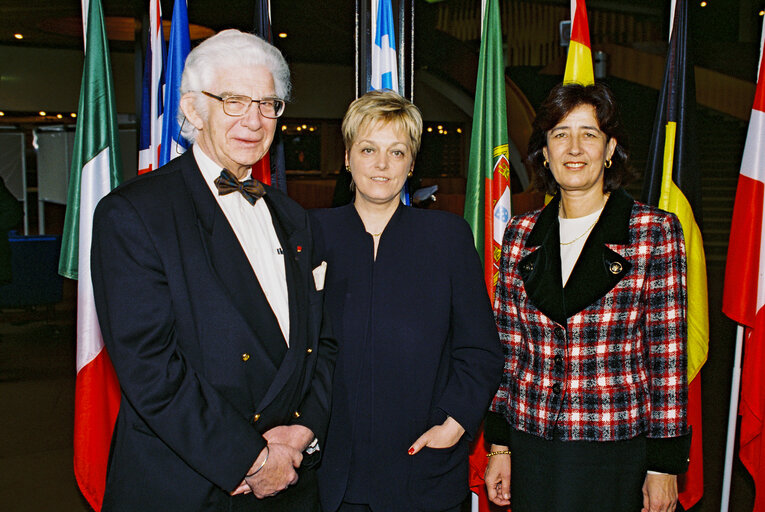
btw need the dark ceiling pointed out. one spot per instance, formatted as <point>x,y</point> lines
<point>323,30</point>
<point>318,31</point>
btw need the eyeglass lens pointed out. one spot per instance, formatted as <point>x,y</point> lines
<point>238,105</point>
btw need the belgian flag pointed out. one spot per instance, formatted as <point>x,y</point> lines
<point>673,184</point>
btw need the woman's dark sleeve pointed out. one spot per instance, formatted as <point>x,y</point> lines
<point>475,349</point>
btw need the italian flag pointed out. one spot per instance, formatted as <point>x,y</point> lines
<point>95,171</point>
<point>487,195</point>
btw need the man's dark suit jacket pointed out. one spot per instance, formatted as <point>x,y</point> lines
<point>201,360</point>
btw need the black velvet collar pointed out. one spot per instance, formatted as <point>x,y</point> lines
<point>597,270</point>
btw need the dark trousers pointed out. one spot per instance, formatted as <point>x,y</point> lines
<point>355,507</point>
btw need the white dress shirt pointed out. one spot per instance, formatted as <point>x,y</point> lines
<point>254,228</point>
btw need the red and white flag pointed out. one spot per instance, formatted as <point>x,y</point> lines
<point>744,292</point>
<point>152,105</point>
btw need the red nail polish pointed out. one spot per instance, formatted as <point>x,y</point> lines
<point>411,451</point>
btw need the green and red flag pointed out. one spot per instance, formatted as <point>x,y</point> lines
<point>95,171</point>
<point>579,60</point>
<point>487,195</point>
<point>672,182</point>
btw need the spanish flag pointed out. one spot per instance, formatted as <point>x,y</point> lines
<point>579,61</point>
<point>672,183</point>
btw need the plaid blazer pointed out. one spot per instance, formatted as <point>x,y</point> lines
<point>604,358</point>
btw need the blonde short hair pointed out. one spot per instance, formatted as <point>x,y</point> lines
<point>387,107</point>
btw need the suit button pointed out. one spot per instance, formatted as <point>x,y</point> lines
<point>245,357</point>
<point>296,414</point>
<point>558,332</point>
<point>256,417</point>
<point>528,267</point>
<point>556,388</point>
<point>615,267</point>
<point>309,351</point>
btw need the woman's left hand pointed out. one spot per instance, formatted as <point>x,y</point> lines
<point>659,493</point>
<point>445,435</point>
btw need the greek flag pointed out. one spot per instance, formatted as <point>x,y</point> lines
<point>384,67</point>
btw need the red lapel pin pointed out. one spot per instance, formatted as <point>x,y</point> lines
<point>299,248</point>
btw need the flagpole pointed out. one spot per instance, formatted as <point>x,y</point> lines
<point>732,419</point>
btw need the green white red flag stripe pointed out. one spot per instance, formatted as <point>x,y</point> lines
<point>95,171</point>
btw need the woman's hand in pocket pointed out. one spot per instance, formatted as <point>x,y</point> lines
<point>444,435</point>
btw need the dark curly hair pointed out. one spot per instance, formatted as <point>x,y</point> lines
<point>559,103</point>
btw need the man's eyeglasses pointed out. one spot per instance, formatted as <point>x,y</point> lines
<point>237,106</point>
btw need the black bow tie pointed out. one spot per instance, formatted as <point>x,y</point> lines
<point>251,189</point>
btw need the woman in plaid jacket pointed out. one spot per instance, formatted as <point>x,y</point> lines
<point>591,310</point>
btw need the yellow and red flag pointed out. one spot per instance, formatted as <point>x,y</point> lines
<point>579,61</point>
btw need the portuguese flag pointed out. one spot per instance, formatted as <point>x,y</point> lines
<point>487,196</point>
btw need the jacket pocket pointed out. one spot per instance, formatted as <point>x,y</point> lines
<point>438,477</point>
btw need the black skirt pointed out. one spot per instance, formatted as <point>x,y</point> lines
<point>576,476</point>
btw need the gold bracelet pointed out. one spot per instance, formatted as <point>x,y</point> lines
<point>501,452</point>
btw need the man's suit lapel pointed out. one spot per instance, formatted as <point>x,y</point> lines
<point>229,262</point>
<point>294,237</point>
<point>597,270</point>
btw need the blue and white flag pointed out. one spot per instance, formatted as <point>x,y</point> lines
<point>172,144</point>
<point>384,66</point>
<point>153,86</point>
<point>384,62</point>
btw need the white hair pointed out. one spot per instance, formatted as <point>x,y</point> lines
<point>229,49</point>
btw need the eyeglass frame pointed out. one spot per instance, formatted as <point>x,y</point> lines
<point>242,96</point>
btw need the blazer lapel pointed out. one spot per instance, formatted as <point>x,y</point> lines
<point>294,237</point>
<point>540,270</point>
<point>599,268</point>
<point>231,266</point>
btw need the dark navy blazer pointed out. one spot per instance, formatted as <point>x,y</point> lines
<point>417,343</point>
<point>202,363</point>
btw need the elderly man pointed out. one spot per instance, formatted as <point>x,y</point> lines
<point>211,308</point>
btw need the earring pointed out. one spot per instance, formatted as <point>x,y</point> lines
<point>411,173</point>
<point>546,164</point>
<point>607,163</point>
<point>347,167</point>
